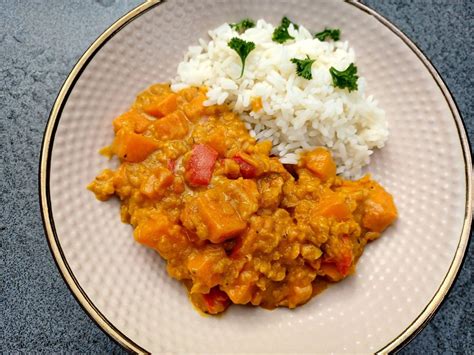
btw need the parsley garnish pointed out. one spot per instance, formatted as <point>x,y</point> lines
<point>243,25</point>
<point>346,78</point>
<point>280,34</point>
<point>303,67</point>
<point>243,48</point>
<point>333,33</point>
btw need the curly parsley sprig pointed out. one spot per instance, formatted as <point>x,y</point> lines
<point>303,67</point>
<point>346,78</point>
<point>333,33</point>
<point>280,34</point>
<point>243,48</point>
<point>243,25</point>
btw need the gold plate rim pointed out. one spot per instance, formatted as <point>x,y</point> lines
<point>48,222</point>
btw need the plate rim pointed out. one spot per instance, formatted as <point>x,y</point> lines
<point>96,315</point>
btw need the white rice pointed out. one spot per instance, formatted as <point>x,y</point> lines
<point>297,114</point>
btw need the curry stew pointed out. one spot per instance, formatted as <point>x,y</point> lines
<point>233,223</point>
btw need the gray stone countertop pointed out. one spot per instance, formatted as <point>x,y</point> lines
<point>40,41</point>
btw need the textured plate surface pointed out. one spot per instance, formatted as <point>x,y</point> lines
<point>422,166</point>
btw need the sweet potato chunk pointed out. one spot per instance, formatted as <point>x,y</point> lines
<point>216,140</point>
<point>172,126</point>
<point>149,232</point>
<point>133,147</point>
<point>320,163</point>
<point>132,121</point>
<point>221,213</point>
<point>161,106</point>
<point>161,234</point>
<point>380,210</point>
<point>195,108</point>
<point>333,205</point>
<point>220,217</point>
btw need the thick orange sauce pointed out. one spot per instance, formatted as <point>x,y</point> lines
<point>233,223</point>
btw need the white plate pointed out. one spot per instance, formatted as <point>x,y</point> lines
<point>400,280</point>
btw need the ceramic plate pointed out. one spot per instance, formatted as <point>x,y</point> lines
<point>400,280</point>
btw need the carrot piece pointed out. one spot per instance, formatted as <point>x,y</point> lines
<point>379,209</point>
<point>133,147</point>
<point>161,106</point>
<point>320,163</point>
<point>172,126</point>
<point>200,165</point>
<point>219,216</point>
<point>332,205</point>
<point>256,104</point>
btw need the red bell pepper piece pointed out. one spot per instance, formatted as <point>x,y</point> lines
<point>216,300</point>
<point>200,165</point>
<point>344,264</point>
<point>247,170</point>
<point>171,165</point>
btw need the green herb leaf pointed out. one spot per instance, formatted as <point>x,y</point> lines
<point>243,25</point>
<point>280,34</point>
<point>346,78</point>
<point>333,33</point>
<point>303,67</point>
<point>243,48</point>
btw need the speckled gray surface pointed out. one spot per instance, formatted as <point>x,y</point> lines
<point>40,41</point>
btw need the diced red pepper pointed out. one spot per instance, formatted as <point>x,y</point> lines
<point>247,170</point>
<point>200,165</point>
<point>344,264</point>
<point>216,300</point>
<point>171,165</point>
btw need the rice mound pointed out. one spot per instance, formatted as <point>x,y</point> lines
<point>297,114</point>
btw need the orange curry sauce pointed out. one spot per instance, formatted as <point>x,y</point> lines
<point>233,223</point>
